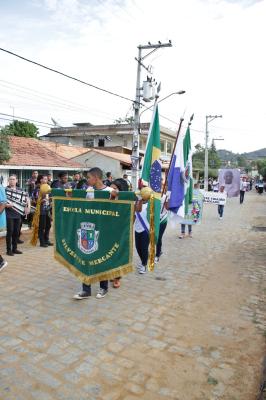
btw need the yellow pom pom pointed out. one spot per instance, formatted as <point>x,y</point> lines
<point>45,188</point>
<point>146,193</point>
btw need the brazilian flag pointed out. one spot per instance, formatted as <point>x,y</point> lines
<point>151,174</point>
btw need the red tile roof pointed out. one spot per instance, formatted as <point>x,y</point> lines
<point>32,152</point>
<point>65,150</point>
<point>123,158</point>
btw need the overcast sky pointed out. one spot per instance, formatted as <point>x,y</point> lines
<point>218,57</point>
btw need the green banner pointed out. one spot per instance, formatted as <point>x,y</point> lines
<point>93,238</point>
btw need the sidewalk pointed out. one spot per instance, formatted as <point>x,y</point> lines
<point>192,330</point>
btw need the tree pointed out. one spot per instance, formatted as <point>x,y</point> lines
<point>5,152</point>
<point>241,161</point>
<point>128,120</point>
<point>261,165</point>
<point>21,128</point>
<point>198,158</point>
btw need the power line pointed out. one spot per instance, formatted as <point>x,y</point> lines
<point>49,99</point>
<point>27,119</point>
<point>66,75</point>
<point>10,119</point>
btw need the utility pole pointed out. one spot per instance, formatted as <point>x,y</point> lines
<point>136,124</point>
<point>206,168</point>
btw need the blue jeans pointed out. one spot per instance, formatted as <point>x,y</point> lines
<point>87,288</point>
<point>220,209</point>
<point>159,241</point>
<point>142,241</point>
<point>183,228</point>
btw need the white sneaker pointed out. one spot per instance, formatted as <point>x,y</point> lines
<point>221,217</point>
<point>102,293</point>
<point>142,270</point>
<point>3,265</point>
<point>156,260</point>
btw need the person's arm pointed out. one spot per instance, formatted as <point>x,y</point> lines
<point>138,205</point>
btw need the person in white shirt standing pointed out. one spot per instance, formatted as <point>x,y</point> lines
<point>243,188</point>
<point>221,203</point>
<point>142,234</point>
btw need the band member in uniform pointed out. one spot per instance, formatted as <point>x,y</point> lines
<point>45,212</point>
<point>13,221</point>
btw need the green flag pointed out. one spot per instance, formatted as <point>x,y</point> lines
<point>151,174</point>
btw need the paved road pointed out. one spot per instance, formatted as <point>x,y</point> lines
<point>192,330</point>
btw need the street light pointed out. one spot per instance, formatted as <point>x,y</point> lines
<point>166,97</point>
<point>209,118</point>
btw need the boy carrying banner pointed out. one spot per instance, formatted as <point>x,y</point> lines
<point>95,180</point>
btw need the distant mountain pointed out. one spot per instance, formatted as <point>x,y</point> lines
<point>227,155</point>
<point>253,155</point>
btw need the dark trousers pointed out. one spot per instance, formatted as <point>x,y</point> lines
<point>142,241</point>
<point>87,288</point>
<point>159,241</point>
<point>44,228</point>
<point>220,209</point>
<point>183,228</point>
<point>242,194</point>
<point>12,233</point>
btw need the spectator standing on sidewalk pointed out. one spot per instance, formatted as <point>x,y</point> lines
<point>221,203</point>
<point>243,188</point>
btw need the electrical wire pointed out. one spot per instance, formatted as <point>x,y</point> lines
<point>27,119</point>
<point>47,98</point>
<point>10,119</point>
<point>66,75</point>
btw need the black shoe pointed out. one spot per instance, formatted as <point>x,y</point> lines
<point>49,243</point>
<point>10,253</point>
<point>20,241</point>
<point>43,245</point>
<point>17,251</point>
<point>81,295</point>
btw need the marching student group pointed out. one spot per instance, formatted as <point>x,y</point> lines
<point>11,215</point>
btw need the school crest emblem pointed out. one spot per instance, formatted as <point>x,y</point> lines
<point>87,238</point>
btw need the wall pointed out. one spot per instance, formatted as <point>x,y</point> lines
<point>90,160</point>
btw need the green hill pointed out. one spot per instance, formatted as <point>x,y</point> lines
<point>226,155</point>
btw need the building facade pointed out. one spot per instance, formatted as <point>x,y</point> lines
<point>102,136</point>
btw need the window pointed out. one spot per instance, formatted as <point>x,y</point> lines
<point>101,143</point>
<point>162,146</point>
<point>169,148</point>
<point>88,142</point>
<point>125,141</point>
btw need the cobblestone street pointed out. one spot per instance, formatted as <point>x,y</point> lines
<point>192,330</point>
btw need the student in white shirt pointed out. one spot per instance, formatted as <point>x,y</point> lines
<point>95,180</point>
<point>142,238</point>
